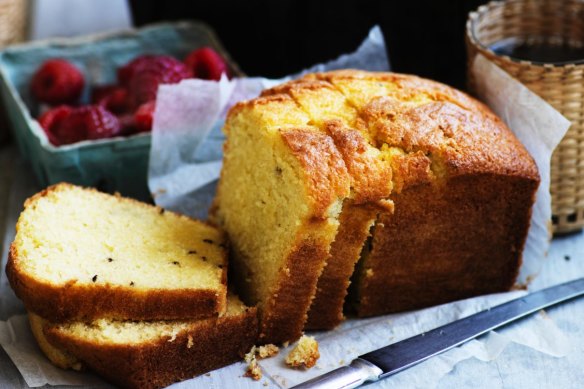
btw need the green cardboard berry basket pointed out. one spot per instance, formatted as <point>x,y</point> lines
<point>117,164</point>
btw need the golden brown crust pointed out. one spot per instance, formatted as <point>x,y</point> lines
<point>78,301</point>
<point>370,176</point>
<point>284,314</point>
<point>326,311</point>
<point>446,243</point>
<point>205,346</point>
<point>465,142</point>
<point>323,165</point>
<point>57,356</point>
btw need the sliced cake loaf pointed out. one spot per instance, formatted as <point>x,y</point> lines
<point>80,254</point>
<point>402,140</point>
<point>150,354</point>
<point>463,191</point>
<point>463,188</point>
<point>370,182</point>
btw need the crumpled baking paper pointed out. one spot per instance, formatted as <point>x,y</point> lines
<point>19,344</point>
<point>186,152</point>
<point>185,162</point>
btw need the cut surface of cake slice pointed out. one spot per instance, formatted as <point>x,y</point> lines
<point>153,354</point>
<point>280,193</point>
<point>81,254</point>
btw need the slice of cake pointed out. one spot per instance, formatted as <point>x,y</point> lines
<point>141,354</point>
<point>80,254</point>
<point>281,190</point>
<point>58,356</point>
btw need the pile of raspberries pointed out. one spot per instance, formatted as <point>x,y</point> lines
<point>121,109</point>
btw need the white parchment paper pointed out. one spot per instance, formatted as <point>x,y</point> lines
<point>186,152</point>
<point>19,344</point>
<point>185,162</point>
<point>359,336</point>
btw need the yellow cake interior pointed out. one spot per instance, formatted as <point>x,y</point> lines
<point>72,234</point>
<point>265,196</point>
<point>126,332</point>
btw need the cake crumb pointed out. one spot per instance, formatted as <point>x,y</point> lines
<point>305,353</point>
<point>254,370</point>
<point>190,342</point>
<point>267,351</point>
<point>251,358</point>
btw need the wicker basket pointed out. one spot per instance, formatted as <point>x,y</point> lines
<point>12,21</point>
<point>559,22</point>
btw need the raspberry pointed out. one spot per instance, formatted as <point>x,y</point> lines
<point>144,115</point>
<point>127,124</point>
<point>205,63</point>
<point>152,71</point>
<point>57,82</point>
<point>126,72</point>
<point>52,119</point>
<point>112,97</point>
<point>100,92</point>
<point>87,122</point>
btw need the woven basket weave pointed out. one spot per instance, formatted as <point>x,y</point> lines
<point>13,19</point>
<point>555,22</point>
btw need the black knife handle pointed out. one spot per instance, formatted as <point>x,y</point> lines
<point>401,355</point>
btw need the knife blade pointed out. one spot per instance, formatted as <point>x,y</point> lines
<point>399,356</point>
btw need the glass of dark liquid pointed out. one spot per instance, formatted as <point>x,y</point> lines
<point>541,44</point>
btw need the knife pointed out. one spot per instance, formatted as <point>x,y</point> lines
<point>399,356</point>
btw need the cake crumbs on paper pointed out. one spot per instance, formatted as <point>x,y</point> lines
<point>251,358</point>
<point>254,370</point>
<point>304,354</point>
<point>267,351</point>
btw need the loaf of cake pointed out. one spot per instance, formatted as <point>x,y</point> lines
<point>154,354</point>
<point>422,185</point>
<point>80,254</point>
